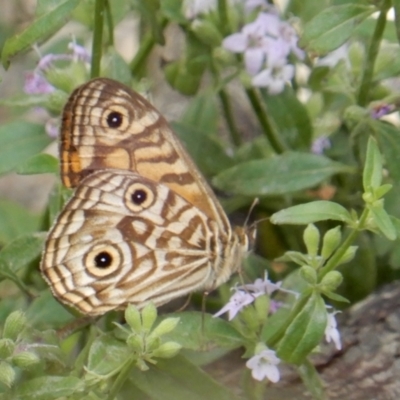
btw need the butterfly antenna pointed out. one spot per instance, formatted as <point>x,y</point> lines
<point>253,204</point>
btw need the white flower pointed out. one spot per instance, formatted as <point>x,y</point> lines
<point>331,331</point>
<point>262,286</point>
<point>264,365</point>
<point>274,79</point>
<point>237,301</point>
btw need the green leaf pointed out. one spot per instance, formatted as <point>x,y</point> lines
<point>282,174</point>
<point>290,118</point>
<point>106,355</point>
<point>20,252</point>
<point>41,29</point>
<point>49,388</point>
<point>311,379</point>
<point>177,378</point>
<point>311,212</point>
<point>202,113</point>
<point>20,141</point>
<point>383,221</point>
<point>333,27</point>
<point>388,137</point>
<point>396,6</point>
<point>39,164</point>
<point>206,150</point>
<point>15,220</point>
<point>215,332</point>
<point>372,174</point>
<point>304,332</point>
<point>26,100</point>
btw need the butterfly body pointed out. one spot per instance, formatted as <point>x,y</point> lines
<point>142,224</point>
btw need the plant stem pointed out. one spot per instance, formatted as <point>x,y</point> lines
<point>146,45</point>
<point>372,53</point>
<point>223,16</point>
<point>121,378</point>
<point>339,253</point>
<point>266,126</point>
<point>227,110</point>
<point>97,37</point>
<point>110,24</point>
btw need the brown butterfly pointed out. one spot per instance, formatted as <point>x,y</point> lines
<point>143,224</point>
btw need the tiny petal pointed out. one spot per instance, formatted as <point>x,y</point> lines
<point>237,301</point>
<point>253,59</point>
<point>331,332</point>
<point>320,144</point>
<point>235,43</point>
<point>79,52</point>
<point>52,127</point>
<point>36,84</point>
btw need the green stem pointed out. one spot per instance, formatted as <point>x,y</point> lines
<point>266,126</point>
<point>97,37</point>
<point>223,16</point>
<point>146,45</point>
<point>110,24</point>
<point>121,378</point>
<point>372,53</point>
<point>339,253</point>
<point>227,110</point>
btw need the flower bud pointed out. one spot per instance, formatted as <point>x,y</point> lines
<point>133,318</point>
<point>206,32</point>
<point>354,114</point>
<point>311,239</point>
<point>56,101</point>
<point>348,255</point>
<point>7,347</point>
<point>7,374</point>
<point>165,326</point>
<point>149,315</point>
<point>308,274</point>
<point>330,242</point>
<point>25,359</point>
<point>331,280</point>
<point>135,342</point>
<point>167,350</point>
<point>15,323</point>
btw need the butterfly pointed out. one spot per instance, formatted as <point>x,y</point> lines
<point>142,224</point>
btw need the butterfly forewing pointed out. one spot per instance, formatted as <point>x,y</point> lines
<point>107,125</point>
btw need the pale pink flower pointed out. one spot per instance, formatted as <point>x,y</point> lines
<point>36,84</point>
<point>52,127</point>
<point>237,301</point>
<point>320,144</point>
<point>252,42</point>
<point>79,53</point>
<point>264,365</point>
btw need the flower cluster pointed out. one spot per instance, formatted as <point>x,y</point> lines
<point>246,294</point>
<point>266,44</point>
<point>36,82</point>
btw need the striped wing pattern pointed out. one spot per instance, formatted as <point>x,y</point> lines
<point>143,224</point>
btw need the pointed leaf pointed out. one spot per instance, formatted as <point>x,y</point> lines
<point>42,28</point>
<point>383,222</point>
<point>20,141</point>
<point>39,164</point>
<point>372,174</point>
<point>311,212</point>
<point>333,27</point>
<point>304,332</point>
<point>283,174</point>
